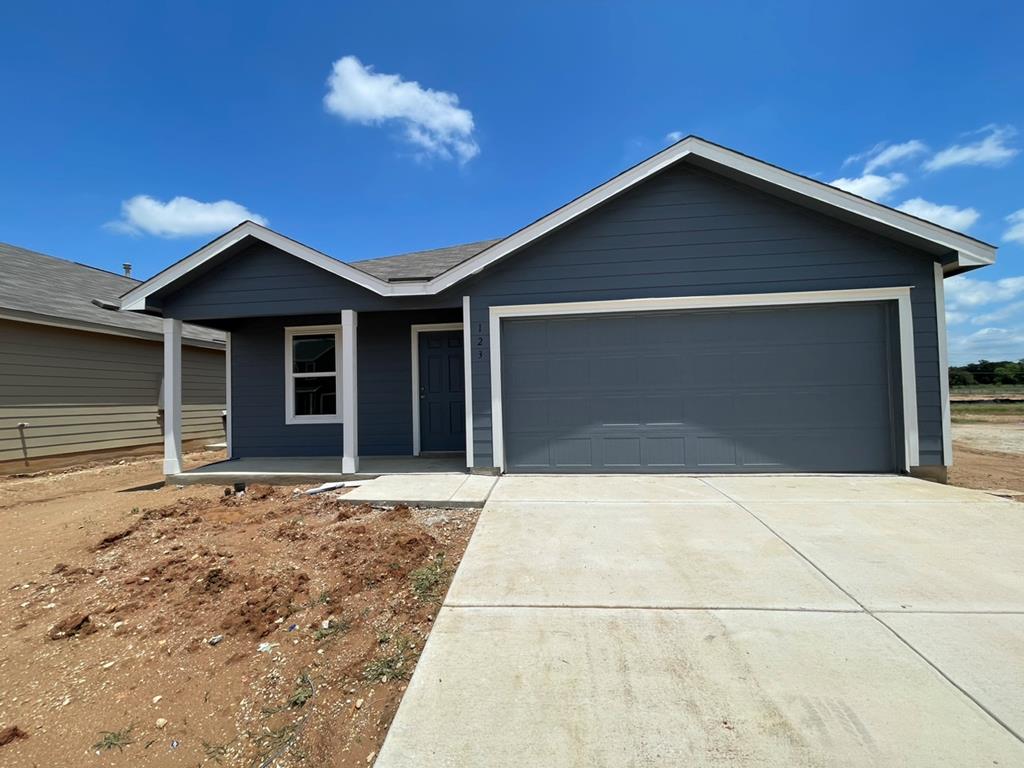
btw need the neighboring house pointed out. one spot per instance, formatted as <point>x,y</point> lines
<point>77,378</point>
<point>702,312</point>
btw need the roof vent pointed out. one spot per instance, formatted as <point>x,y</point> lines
<point>127,267</point>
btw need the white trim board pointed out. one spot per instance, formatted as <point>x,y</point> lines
<point>227,392</point>
<point>968,251</point>
<point>467,375</point>
<point>414,335</point>
<point>349,385</point>
<point>940,327</point>
<point>899,294</point>
<point>290,332</point>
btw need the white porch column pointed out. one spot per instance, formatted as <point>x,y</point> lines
<point>227,393</point>
<point>349,393</point>
<point>172,396</point>
<point>467,376</point>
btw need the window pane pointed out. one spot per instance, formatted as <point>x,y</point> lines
<point>315,396</point>
<point>313,353</point>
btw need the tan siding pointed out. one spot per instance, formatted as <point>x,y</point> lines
<point>83,392</point>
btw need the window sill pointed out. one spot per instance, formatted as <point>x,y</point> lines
<point>313,420</point>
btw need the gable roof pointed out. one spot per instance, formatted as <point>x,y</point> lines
<point>30,280</point>
<point>397,276</point>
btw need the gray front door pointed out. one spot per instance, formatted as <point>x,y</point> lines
<point>769,389</point>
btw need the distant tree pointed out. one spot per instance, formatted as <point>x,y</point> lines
<point>958,377</point>
<point>993,372</point>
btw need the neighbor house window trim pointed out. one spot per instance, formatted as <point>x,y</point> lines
<point>290,333</point>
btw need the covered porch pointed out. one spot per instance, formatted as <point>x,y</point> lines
<point>322,398</point>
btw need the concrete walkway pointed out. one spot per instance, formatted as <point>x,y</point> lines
<point>742,621</point>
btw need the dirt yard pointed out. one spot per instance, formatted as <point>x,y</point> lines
<point>988,446</point>
<point>152,626</point>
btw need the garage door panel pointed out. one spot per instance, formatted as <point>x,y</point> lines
<point>612,372</point>
<point>569,334</point>
<point>779,389</point>
<point>619,410</point>
<point>572,452</point>
<point>665,368</point>
<point>621,452</point>
<point>665,452</point>
<point>666,409</point>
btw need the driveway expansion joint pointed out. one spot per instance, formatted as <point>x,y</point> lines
<point>874,615</point>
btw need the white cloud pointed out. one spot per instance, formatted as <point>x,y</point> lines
<point>180,217</point>
<point>673,136</point>
<point>999,315</point>
<point>893,154</point>
<point>960,219</point>
<point>871,186</point>
<point>432,120</point>
<point>883,155</point>
<point>964,292</point>
<point>990,150</point>
<point>1016,230</point>
<point>986,344</point>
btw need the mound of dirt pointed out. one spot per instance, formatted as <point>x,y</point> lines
<point>226,630</point>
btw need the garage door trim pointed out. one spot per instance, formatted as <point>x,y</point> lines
<point>900,294</point>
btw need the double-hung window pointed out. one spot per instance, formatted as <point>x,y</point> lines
<point>312,361</point>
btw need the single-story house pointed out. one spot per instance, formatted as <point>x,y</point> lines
<point>703,311</point>
<point>79,379</point>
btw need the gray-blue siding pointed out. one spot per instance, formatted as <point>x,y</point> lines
<point>690,232</point>
<point>683,232</point>
<point>385,386</point>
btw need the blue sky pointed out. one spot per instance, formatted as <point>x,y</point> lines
<point>137,131</point>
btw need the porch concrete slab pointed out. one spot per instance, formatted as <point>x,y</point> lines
<point>411,465</point>
<point>981,653</point>
<point>275,470</point>
<point>839,488</point>
<point>940,555</point>
<point>436,488</point>
<point>502,687</point>
<point>701,554</point>
<point>475,488</point>
<point>603,488</point>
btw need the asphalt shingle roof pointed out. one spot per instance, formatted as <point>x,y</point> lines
<point>37,284</point>
<point>421,265</point>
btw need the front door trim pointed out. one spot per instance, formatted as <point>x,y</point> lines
<point>415,331</point>
<point>900,294</point>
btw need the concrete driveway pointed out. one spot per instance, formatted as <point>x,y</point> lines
<point>726,621</point>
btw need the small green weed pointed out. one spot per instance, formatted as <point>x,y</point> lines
<point>427,581</point>
<point>394,665</point>
<point>334,627</point>
<point>114,740</point>
<point>303,692</point>
<point>215,752</point>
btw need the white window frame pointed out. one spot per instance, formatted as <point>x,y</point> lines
<point>289,376</point>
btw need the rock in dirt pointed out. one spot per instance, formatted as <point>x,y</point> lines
<point>257,492</point>
<point>69,626</point>
<point>113,538</point>
<point>11,733</point>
